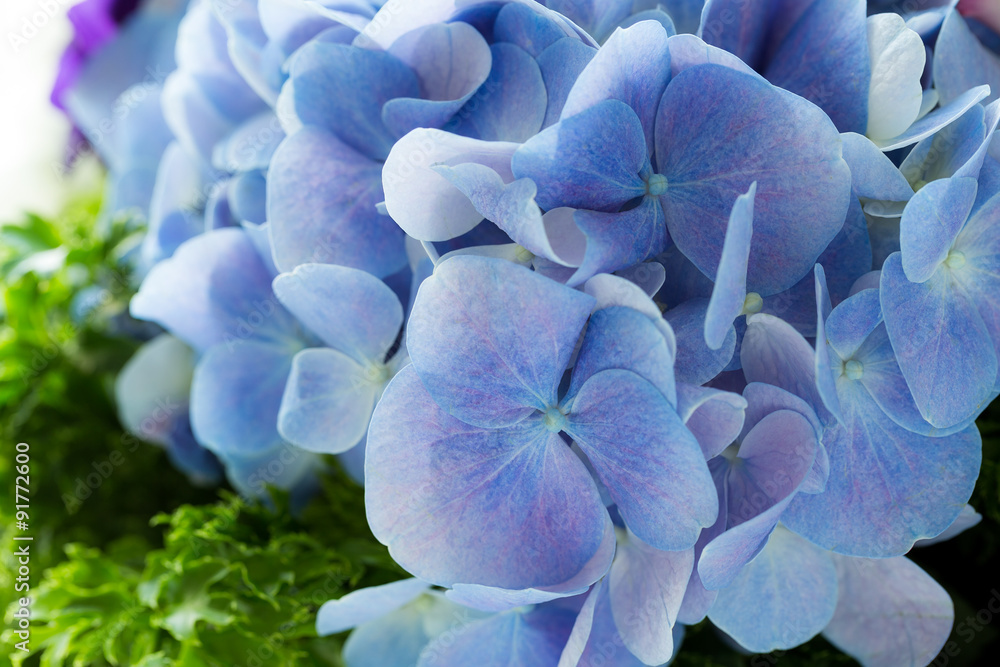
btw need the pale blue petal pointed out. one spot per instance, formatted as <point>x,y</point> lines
<point>236,394</point>
<point>961,62</point>
<point>746,125</point>
<point>966,519</point>
<point>522,25</point>
<point>321,197</point>
<point>941,342</point>
<point>366,604</point>
<point>561,65</point>
<point>646,587</point>
<point>342,89</point>
<point>825,381</point>
<point>511,508</point>
<point>350,310</point>
<point>774,460</point>
<point>688,51</point>
<point>657,477</point>
<point>942,154</point>
<point>491,339</point>
<point>889,612</point>
<point>451,62</point>
<point>783,598</point>
<point>215,288</point>
<point>730,290</point>
<point>774,353</point>
<point>930,223</point>
<point>873,175</point>
<point>327,402</point>
<point>877,501</point>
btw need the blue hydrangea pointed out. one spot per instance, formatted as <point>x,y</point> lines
<point>628,314</point>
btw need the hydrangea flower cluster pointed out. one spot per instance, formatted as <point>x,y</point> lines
<point>626,313</point>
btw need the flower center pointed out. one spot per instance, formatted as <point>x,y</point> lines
<point>656,185</point>
<point>854,369</point>
<point>955,260</point>
<point>752,304</point>
<point>555,420</point>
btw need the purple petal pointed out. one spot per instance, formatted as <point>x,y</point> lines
<point>713,416</point>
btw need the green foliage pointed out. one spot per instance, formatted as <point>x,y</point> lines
<point>235,584</point>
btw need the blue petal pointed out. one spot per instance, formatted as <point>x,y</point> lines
<point>930,223</point>
<point>236,395</point>
<point>825,59</point>
<point>697,363</point>
<point>730,290</point>
<point>889,612</point>
<point>321,205</point>
<point>527,28</point>
<point>632,67</point>
<point>366,604</point>
<point>327,402</point>
<point>561,65</point>
<point>490,339</point>
<point>853,321</point>
<point>877,501</point>
<point>512,508</point>
<point>593,160</point>
<point>688,51</point>
<point>961,62</point>
<point>941,342</point>
<point>595,639</point>
<point>738,26</point>
<point>351,311</point>
<point>451,62</point>
<point>873,175</point>
<point>342,89</point>
<point>215,288</point>
<point>512,639</point>
<point>966,519</point>
<point>652,465</point>
<point>646,587</point>
<point>624,338</point>
<point>718,131</point>
<point>617,241</point>
<point>783,598</point>
<point>511,103</point>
